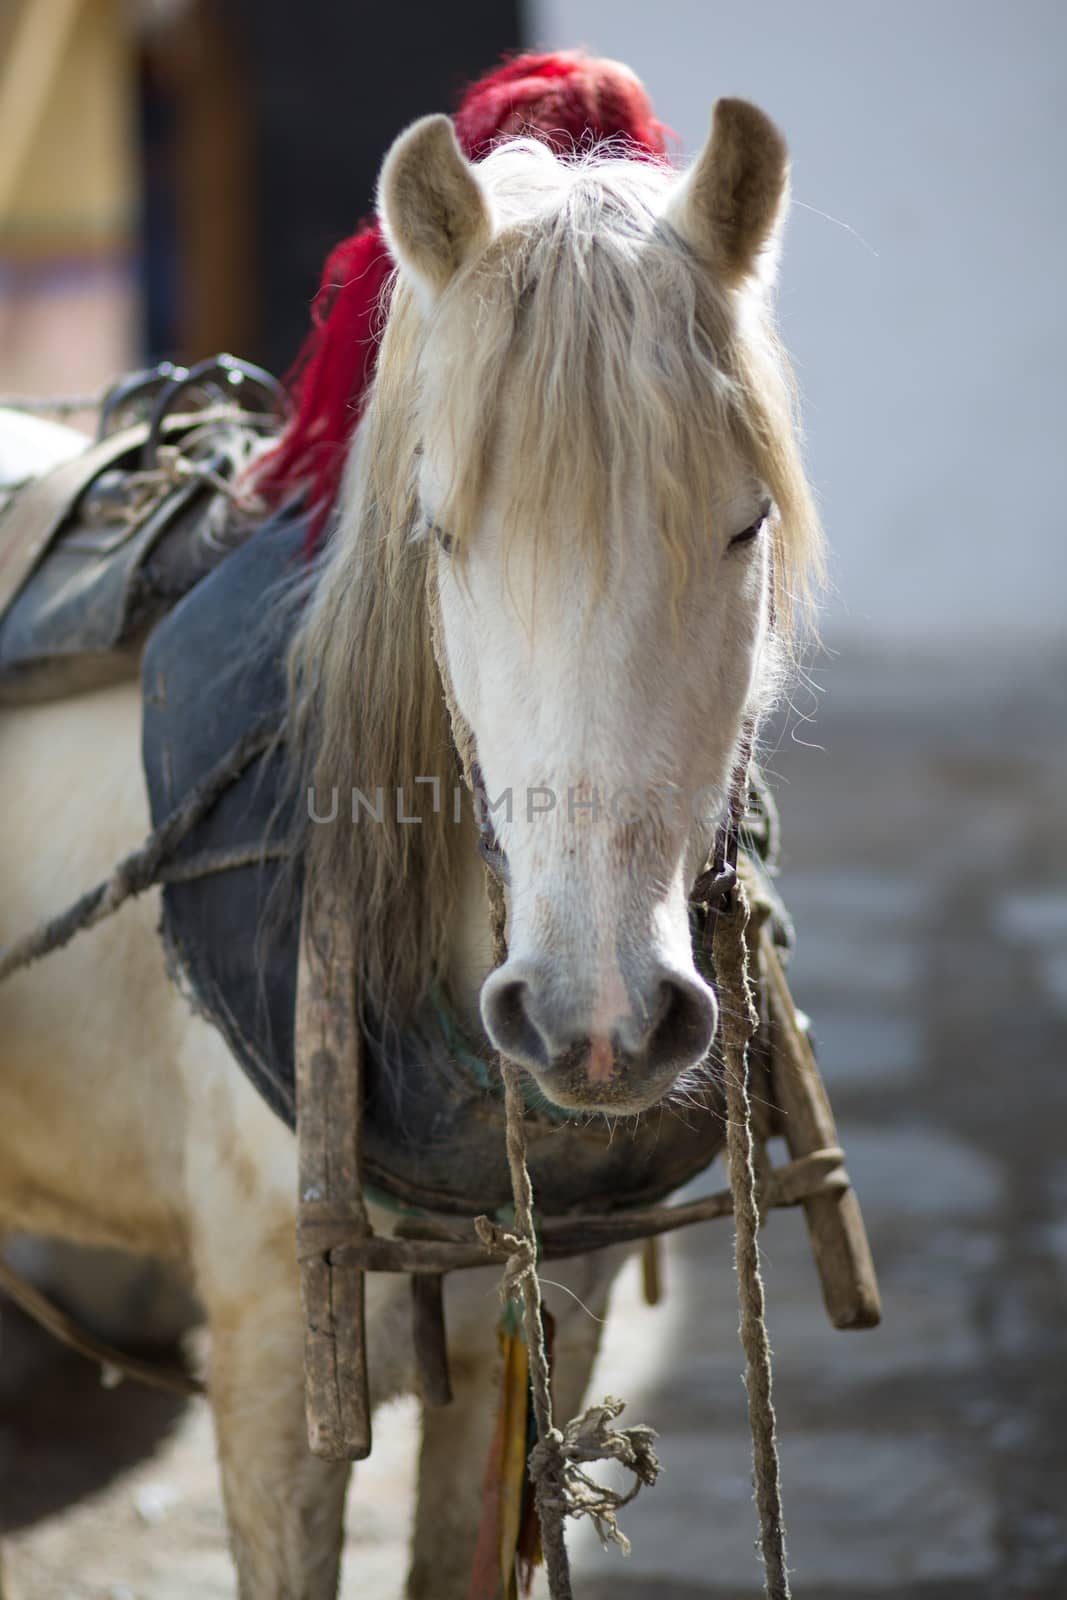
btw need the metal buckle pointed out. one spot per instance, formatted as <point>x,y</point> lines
<point>136,390</point>
<point>713,887</point>
<point>226,379</point>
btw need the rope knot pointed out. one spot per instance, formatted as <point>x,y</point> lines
<point>554,1467</point>
<point>547,1465</point>
<point>521,1255</point>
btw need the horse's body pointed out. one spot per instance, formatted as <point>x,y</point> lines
<point>123,1119</point>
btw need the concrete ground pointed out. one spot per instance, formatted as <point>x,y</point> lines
<point>926,868</point>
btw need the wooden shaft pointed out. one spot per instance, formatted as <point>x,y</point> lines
<point>835,1222</point>
<point>329,1102</point>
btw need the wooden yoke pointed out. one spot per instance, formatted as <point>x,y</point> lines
<point>337,1245</point>
<point>329,1120</point>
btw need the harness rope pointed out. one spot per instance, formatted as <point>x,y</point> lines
<point>739,1023</point>
<point>147,866</point>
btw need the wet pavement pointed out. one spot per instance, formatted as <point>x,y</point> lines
<point>926,868</point>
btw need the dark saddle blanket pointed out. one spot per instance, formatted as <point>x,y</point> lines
<point>433,1121</point>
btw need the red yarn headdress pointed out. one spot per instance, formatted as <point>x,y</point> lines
<point>569,100</point>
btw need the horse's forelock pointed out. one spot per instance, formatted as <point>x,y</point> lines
<point>613,357</point>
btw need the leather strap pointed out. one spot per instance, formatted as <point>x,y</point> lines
<point>115,1363</point>
<point>38,511</point>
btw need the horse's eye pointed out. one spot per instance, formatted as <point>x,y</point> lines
<point>753,531</point>
<point>444,539</point>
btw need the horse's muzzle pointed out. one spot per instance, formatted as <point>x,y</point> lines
<point>620,1071</point>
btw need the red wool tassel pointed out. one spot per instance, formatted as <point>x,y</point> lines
<point>568,99</point>
<point>331,378</point>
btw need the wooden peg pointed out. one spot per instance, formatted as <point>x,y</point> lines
<point>428,1336</point>
<point>652,1270</point>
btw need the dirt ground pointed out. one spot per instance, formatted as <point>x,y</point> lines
<point>926,868</point>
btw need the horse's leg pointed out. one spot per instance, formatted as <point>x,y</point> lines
<point>455,1438</point>
<point>285,1507</point>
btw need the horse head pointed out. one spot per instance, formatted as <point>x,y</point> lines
<point>581,449</point>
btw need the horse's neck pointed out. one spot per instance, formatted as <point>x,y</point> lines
<point>470,943</point>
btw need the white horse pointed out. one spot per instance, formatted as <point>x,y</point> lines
<point>580,455</point>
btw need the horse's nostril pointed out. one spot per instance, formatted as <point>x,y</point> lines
<point>506,1014</point>
<point>508,1008</point>
<point>684,1024</point>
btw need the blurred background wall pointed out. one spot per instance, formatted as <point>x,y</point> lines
<point>173,173</point>
<point>69,194</point>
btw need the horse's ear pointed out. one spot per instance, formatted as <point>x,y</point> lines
<point>730,202</point>
<point>431,205</point>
